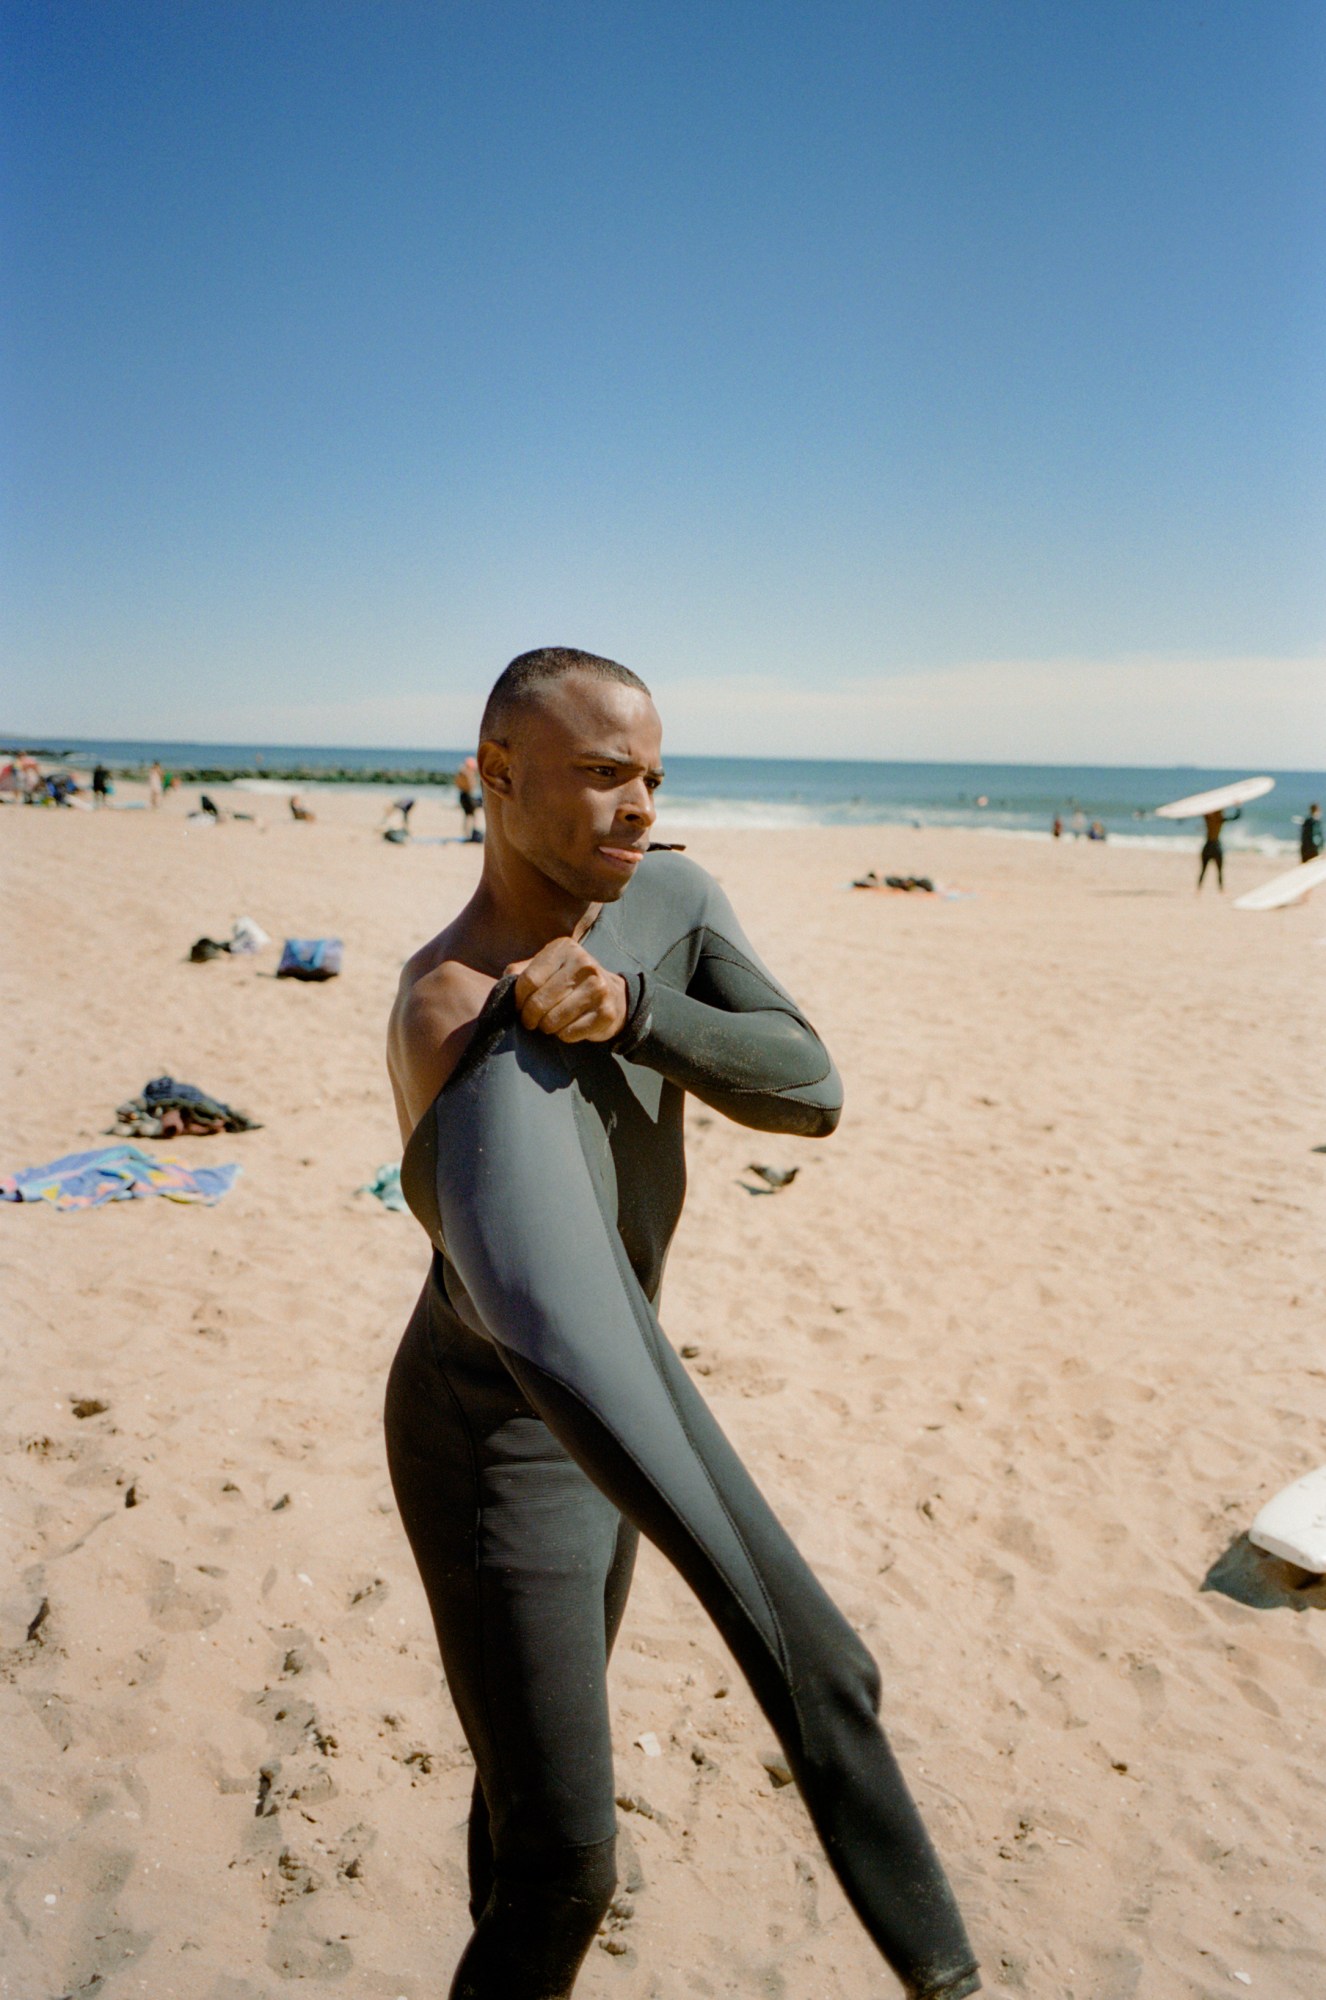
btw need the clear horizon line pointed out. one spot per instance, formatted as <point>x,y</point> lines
<point>28,740</point>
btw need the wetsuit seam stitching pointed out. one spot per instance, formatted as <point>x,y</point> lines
<point>776,1650</point>
<point>732,954</point>
<point>647,1328</point>
<point>780,1647</point>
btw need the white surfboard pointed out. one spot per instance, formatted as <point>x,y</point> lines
<point>1220,800</point>
<point>1286,888</point>
<point>1293,1525</point>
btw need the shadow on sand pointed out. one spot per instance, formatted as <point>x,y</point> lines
<point>1263,1582</point>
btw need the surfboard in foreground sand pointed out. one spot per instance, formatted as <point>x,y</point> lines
<point>1220,800</point>
<point>1286,888</point>
<point>1293,1525</point>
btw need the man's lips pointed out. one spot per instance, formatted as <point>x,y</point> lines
<point>625,857</point>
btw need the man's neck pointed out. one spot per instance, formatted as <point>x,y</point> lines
<point>506,922</point>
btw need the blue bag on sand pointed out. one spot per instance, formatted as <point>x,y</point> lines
<point>310,958</point>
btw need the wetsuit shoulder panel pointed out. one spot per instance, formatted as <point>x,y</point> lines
<point>709,1016</point>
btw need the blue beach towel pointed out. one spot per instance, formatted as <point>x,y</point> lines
<point>116,1173</point>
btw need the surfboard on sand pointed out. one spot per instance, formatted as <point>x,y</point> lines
<point>1293,1525</point>
<point>1286,888</point>
<point>1241,793</point>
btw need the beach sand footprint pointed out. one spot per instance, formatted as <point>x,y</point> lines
<point>179,1606</point>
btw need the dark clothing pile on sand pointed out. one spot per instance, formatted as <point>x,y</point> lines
<point>870,880</point>
<point>245,939</point>
<point>170,1110</point>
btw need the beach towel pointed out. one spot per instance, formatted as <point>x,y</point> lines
<point>310,958</point>
<point>116,1173</point>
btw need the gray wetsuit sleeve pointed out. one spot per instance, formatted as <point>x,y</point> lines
<point>714,1020</point>
<point>516,1180</point>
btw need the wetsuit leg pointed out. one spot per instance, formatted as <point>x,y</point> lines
<point>535,1263</point>
<point>819,1687</point>
<point>526,1567</point>
<point>1212,854</point>
<point>479,1844</point>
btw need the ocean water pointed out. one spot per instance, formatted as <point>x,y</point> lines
<point>788,792</point>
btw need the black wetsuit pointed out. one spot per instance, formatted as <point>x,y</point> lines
<point>537,1418</point>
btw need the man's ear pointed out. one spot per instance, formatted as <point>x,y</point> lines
<point>495,768</point>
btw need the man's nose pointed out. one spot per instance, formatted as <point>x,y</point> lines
<point>638,806</point>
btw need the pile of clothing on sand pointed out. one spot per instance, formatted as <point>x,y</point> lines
<point>245,938</point>
<point>166,1109</point>
<point>870,880</point>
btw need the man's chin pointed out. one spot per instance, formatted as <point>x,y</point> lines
<point>598,881</point>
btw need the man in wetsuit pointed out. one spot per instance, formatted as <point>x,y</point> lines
<point>539,1050</point>
<point>1310,834</point>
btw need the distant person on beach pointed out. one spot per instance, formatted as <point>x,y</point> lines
<point>1057,828</point>
<point>470,792</point>
<point>1311,834</point>
<point>298,810</point>
<point>1096,831</point>
<point>1213,853</point>
<point>540,1051</point>
<point>154,785</point>
<point>100,784</point>
<point>1079,823</point>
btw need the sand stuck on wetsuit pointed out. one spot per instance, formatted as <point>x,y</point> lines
<point>537,1418</point>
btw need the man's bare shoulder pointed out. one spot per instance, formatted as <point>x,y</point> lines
<point>438,1001</point>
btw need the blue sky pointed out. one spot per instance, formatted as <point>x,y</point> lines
<point>902,380</point>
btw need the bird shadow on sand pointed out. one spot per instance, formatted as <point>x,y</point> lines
<point>1263,1582</point>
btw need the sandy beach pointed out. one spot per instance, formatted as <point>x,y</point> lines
<point>1017,1357</point>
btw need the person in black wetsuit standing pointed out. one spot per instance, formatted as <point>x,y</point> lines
<point>1213,852</point>
<point>537,1420</point>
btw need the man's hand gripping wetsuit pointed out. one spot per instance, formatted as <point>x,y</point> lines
<point>537,1418</point>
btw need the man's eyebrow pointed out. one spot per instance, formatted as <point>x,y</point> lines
<point>617,757</point>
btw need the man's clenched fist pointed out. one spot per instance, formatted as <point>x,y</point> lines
<point>566,993</point>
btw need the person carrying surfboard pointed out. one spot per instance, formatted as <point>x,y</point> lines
<point>537,1418</point>
<point>1212,850</point>
<point>1215,807</point>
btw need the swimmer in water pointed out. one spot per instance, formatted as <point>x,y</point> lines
<point>540,1049</point>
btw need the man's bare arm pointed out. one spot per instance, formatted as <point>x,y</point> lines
<point>562,990</point>
<point>430,1025</point>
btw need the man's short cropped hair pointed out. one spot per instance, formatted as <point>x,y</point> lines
<point>520,683</point>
